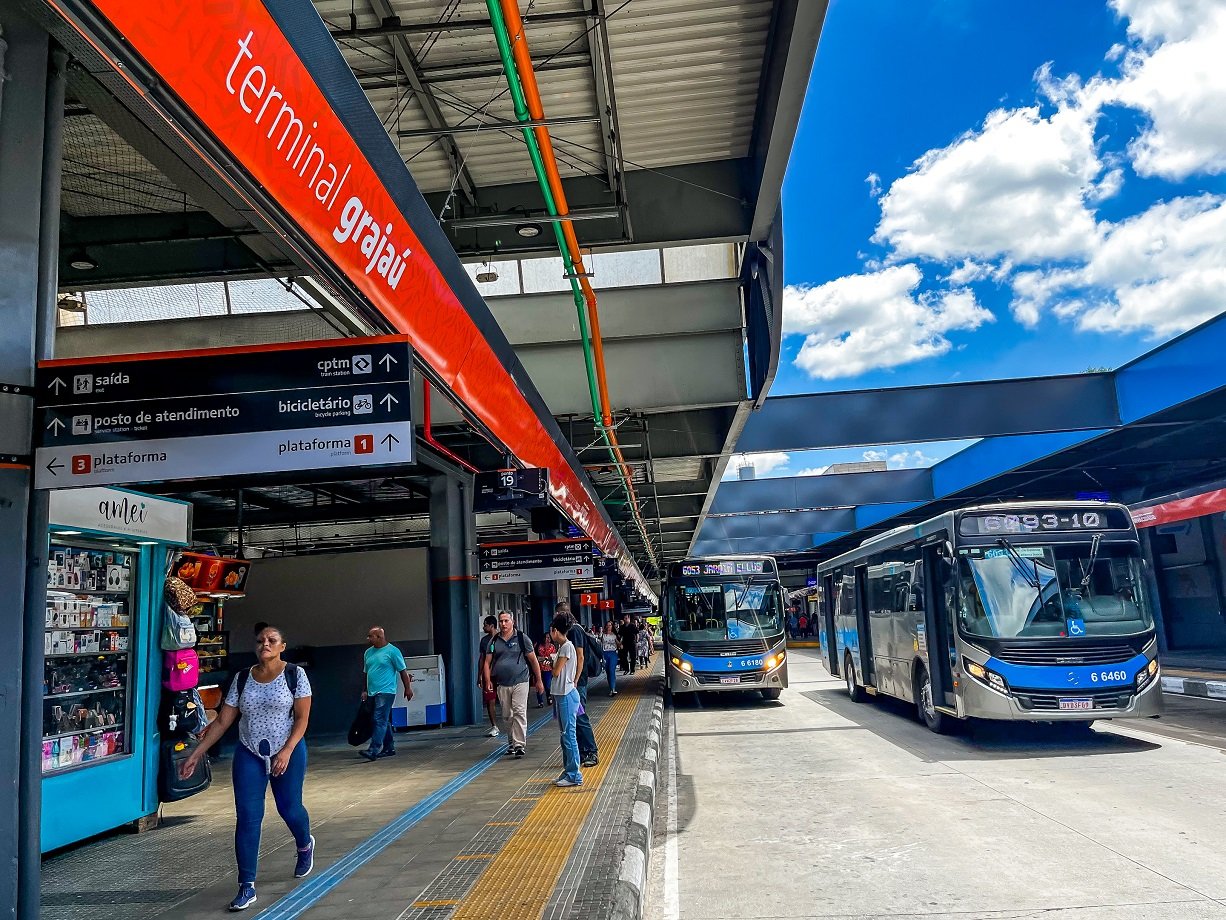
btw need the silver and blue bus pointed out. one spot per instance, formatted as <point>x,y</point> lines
<point>724,626</point>
<point>1028,611</point>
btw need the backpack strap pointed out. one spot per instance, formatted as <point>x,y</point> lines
<point>241,677</point>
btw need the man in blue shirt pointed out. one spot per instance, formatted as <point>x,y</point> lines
<point>382,663</point>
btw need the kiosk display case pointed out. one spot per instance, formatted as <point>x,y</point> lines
<point>87,647</point>
<point>108,554</point>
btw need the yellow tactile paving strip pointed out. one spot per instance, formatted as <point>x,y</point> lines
<point>520,880</point>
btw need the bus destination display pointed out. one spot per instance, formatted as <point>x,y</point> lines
<point>1043,520</point>
<point>727,567</point>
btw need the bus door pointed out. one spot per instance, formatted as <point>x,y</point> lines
<point>830,644</point>
<point>938,622</point>
<point>867,674</point>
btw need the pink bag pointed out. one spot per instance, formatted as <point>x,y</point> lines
<point>180,670</point>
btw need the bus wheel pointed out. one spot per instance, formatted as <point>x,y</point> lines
<point>854,690</point>
<point>925,705</point>
<point>771,694</point>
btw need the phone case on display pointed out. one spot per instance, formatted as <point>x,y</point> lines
<point>171,788</point>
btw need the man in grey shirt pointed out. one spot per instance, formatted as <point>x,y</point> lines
<point>508,664</point>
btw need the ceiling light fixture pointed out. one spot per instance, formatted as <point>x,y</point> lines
<point>81,260</point>
<point>488,275</point>
<point>528,231</point>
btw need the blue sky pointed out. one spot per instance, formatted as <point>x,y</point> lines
<point>982,189</point>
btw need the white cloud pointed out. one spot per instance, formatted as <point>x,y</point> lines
<point>762,463</point>
<point>875,320</point>
<point>909,460</point>
<point>813,471</point>
<point>1016,188</point>
<point>1161,271</point>
<point>1165,20</point>
<point>873,456</point>
<point>1178,81</point>
<point>874,184</point>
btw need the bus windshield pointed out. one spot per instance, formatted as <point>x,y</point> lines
<point>713,610</point>
<point>1074,591</point>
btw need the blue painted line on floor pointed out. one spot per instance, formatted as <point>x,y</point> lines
<point>312,891</point>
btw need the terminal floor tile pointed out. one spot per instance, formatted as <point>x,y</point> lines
<point>449,828</point>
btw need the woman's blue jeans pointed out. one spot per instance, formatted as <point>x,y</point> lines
<point>568,714</point>
<point>610,668</point>
<point>251,782</point>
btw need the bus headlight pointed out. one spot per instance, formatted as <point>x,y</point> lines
<point>1146,674</point>
<point>774,661</point>
<point>683,665</point>
<point>984,676</point>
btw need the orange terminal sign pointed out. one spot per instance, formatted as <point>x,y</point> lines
<point>233,67</point>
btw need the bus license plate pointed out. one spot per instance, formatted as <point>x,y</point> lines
<point>729,680</point>
<point>1076,704</point>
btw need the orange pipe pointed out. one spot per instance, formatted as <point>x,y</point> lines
<point>532,95</point>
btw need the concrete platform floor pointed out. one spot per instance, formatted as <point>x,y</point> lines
<point>409,836</point>
<point>818,807</point>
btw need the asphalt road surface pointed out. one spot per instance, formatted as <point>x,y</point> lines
<point>818,807</point>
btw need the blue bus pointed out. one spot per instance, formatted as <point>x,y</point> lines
<point>1027,611</point>
<point>724,626</point>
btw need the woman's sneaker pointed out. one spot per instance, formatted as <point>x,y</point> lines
<point>306,860</point>
<point>493,732</point>
<point>566,781</point>
<point>245,897</point>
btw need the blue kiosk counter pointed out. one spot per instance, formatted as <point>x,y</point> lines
<point>106,567</point>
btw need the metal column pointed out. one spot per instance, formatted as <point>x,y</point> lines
<point>454,600</point>
<point>28,146</point>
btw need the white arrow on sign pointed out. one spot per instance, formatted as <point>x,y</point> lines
<point>387,361</point>
<point>55,425</point>
<point>389,400</point>
<point>56,385</point>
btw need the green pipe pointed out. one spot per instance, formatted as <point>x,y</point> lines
<point>503,38</point>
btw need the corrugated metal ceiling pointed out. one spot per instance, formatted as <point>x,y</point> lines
<point>686,76</point>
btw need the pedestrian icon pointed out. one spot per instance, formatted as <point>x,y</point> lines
<point>83,383</point>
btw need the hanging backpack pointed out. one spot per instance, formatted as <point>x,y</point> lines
<point>171,787</point>
<point>187,716</point>
<point>180,670</point>
<point>178,631</point>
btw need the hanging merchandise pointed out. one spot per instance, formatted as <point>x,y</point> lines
<point>171,786</point>
<point>180,670</point>
<point>186,714</point>
<point>178,631</point>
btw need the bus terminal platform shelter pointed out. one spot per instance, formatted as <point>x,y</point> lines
<point>479,179</point>
<point>1150,434</point>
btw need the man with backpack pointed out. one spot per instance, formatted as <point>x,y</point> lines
<point>588,663</point>
<point>508,663</point>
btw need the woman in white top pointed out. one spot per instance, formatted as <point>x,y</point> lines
<point>566,698</point>
<point>273,704</point>
<point>609,645</point>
